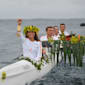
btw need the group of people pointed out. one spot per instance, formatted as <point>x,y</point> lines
<point>54,32</point>
<point>32,46</point>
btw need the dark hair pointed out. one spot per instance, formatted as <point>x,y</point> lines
<point>62,24</point>
<point>35,37</point>
<point>48,27</point>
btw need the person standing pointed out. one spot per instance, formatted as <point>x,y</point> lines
<point>63,30</point>
<point>49,34</point>
<point>56,31</point>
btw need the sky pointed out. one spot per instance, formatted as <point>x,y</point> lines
<point>53,9</point>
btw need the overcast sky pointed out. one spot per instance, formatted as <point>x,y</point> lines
<point>42,9</point>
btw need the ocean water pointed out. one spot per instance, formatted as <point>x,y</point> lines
<point>11,48</point>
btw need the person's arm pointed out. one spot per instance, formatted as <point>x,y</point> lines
<point>18,31</point>
<point>39,55</point>
<point>19,22</point>
<point>19,34</point>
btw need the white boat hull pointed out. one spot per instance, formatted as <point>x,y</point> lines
<point>23,73</point>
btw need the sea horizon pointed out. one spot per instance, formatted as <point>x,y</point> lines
<point>41,18</point>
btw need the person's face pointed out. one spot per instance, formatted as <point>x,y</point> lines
<point>62,28</point>
<point>30,35</point>
<point>56,30</point>
<point>50,31</point>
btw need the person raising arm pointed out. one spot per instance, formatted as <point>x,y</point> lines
<point>32,47</point>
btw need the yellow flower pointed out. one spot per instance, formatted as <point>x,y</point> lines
<point>3,75</point>
<point>62,36</point>
<point>50,40</point>
<point>30,28</point>
<point>74,39</point>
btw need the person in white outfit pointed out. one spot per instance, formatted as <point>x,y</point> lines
<point>49,34</point>
<point>56,31</point>
<point>32,47</point>
<point>63,30</point>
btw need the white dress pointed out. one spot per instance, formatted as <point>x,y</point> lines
<point>33,50</point>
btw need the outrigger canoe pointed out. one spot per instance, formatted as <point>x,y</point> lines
<point>23,72</point>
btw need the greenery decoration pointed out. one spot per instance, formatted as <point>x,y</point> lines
<point>39,64</point>
<point>30,28</point>
<point>3,75</point>
<point>73,49</point>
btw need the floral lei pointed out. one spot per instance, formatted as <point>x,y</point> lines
<point>36,64</point>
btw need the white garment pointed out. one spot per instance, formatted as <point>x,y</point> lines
<point>56,37</point>
<point>65,32</point>
<point>44,38</point>
<point>33,50</point>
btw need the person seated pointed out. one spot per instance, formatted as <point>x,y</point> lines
<point>56,31</point>
<point>32,47</point>
<point>49,34</point>
<point>63,30</point>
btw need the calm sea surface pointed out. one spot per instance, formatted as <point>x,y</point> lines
<point>10,48</point>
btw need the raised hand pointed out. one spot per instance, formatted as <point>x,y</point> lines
<point>19,21</point>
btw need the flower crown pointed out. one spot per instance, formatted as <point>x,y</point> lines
<point>30,28</point>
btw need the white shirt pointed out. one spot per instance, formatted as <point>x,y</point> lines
<point>33,50</point>
<point>56,37</point>
<point>65,32</point>
<point>44,38</point>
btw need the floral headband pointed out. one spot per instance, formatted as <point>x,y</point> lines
<point>30,28</point>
